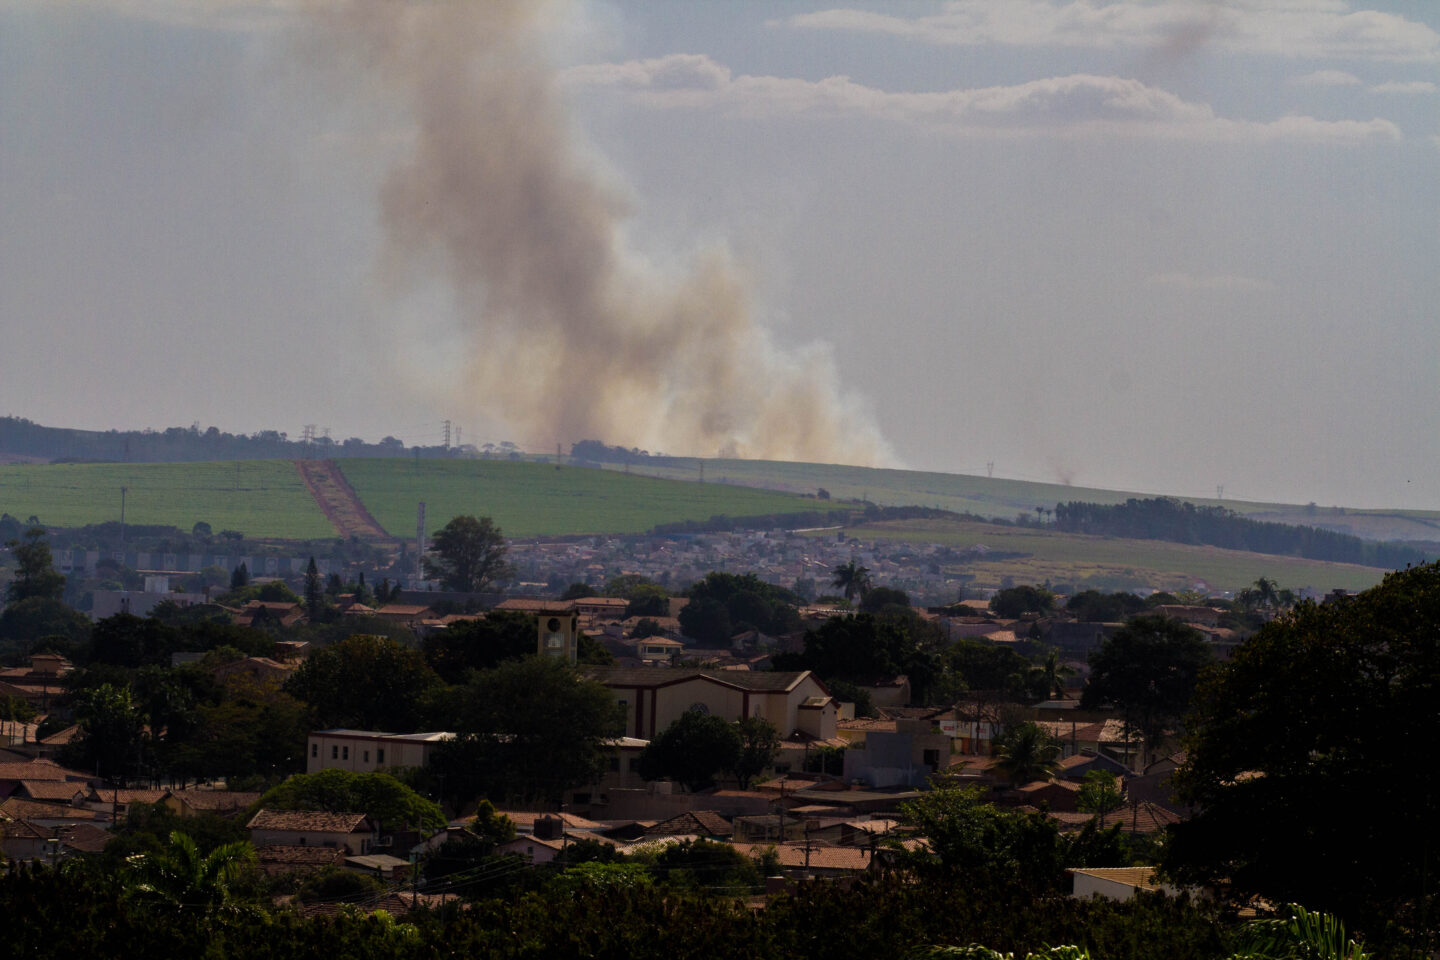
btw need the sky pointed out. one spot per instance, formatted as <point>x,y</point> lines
<point>1170,247</point>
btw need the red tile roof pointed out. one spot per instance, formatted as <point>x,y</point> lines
<point>318,821</point>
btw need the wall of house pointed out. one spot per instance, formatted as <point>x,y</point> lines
<point>355,843</point>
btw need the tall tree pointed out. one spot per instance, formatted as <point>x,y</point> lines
<point>35,576</point>
<point>528,730</point>
<point>693,750</point>
<point>377,795</point>
<point>314,592</point>
<point>469,554</point>
<point>759,743</point>
<point>851,579</point>
<point>1316,717</point>
<point>1148,669</point>
<point>188,878</point>
<point>366,682</point>
<point>1026,753</point>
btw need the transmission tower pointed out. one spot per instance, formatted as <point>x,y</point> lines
<point>990,468</point>
<point>447,434</point>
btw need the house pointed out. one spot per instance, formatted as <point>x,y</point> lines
<point>119,802</point>
<point>601,608</point>
<point>407,614</point>
<point>535,849</point>
<point>278,858</point>
<point>654,697</point>
<point>369,751</point>
<point>622,772</point>
<point>1116,883</point>
<point>693,823</point>
<point>257,612</point>
<point>813,859</point>
<point>1076,766</point>
<point>909,756</point>
<point>223,803</point>
<point>1059,795</point>
<point>258,669</point>
<point>312,828</point>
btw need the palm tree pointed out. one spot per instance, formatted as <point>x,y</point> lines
<point>1297,932</point>
<point>1026,752</point>
<point>1048,679</point>
<point>1266,594</point>
<point>852,579</point>
<point>183,875</point>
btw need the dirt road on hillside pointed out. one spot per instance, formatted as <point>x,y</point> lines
<point>338,501</point>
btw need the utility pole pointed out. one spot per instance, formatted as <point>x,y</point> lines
<point>420,541</point>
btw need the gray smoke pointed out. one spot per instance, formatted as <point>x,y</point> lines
<point>576,336</point>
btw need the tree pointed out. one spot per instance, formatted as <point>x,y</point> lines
<point>1098,794</point>
<point>1047,678</point>
<point>1026,752</point>
<point>723,604</point>
<point>1317,716</point>
<point>314,592</point>
<point>1148,669</point>
<point>692,750</point>
<point>470,554</point>
<point>1014,602</point>
<point>759,743</point>
<point>878,599</point>
<point>112,732</point>
<point>184,876</point>
<point>990,848</point>
<point>34,574</point>
<point>367,683</point>
<point>377,795</point>
<point>480,644</point>
<point>527,730</point>
<point>851,579</point>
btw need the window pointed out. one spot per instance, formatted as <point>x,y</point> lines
<point>634,766</point>
<point>379,754</point>
<point>366,756</point>
<point>782,768</point>
<point>314,749</point>
<point>334,753</point>
<point>615,764</point>
<point>344,753</point>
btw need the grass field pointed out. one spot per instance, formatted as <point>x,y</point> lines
<point>260,498</point>
<point>535,499</point>
<point>988,497</point>
<point>1073,558</point>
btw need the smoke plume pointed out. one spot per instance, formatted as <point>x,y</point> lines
<point>576,336</point>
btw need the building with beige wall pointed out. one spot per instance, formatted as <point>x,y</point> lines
<point>369,751</point>
<point>654,697</point>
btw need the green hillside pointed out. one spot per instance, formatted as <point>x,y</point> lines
<point>1115,563</point>
<point>260,498</point>
<point>535,499</point>
<point>993,497</point>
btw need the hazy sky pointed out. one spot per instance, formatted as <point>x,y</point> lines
<point>1158,246</point>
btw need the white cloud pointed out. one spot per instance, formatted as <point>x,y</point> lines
<point>1222,281</point>
<point>1404,86</point>
<point>1284,28</point>
<point>1326,78</point>
<point>1080,103</point>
